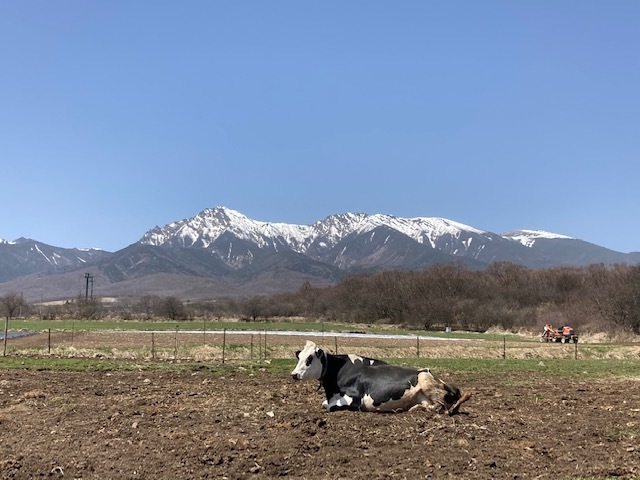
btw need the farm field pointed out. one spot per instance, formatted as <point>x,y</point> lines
<point>183,421</point>
<point>97,404</point>
<point>234,346</point>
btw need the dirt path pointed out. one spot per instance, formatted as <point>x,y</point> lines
<point>194,425</point>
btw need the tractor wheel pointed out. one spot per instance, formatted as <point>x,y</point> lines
<point>563,340</point>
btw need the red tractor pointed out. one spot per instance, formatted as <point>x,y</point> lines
<point>564,334</point>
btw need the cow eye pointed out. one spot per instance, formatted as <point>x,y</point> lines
<point>309,360</point>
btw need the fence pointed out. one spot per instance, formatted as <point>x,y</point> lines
<point>228,346</point>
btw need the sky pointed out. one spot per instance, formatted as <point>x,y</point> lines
<point>117,116</point>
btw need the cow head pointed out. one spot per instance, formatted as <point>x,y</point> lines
<point>311,361</point>
<point>454,398</point>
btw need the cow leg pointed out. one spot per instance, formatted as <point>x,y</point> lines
<point>419,406</point>
<point>427,405</point>
<point>341,402</point>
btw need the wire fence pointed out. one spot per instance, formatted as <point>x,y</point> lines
<point>229,346</point>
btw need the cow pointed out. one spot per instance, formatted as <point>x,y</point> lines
<point>356,383</point>
<point>342,363</point>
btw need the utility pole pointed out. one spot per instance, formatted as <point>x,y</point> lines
<point>88,277</point>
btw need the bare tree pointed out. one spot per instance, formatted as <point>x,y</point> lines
<point>148,305</point>
<point>172,308</point>
<point>9,304</point>
<point>253,308</point>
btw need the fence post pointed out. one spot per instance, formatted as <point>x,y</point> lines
<point>418,345</point>
<point>265,344</point>
<point>175,348</point>
<point>251,348</point>
<point>504,347</point>
<point>6,334</point>
<point>153,345</point>
<point>575,355</point>
<point>49,343</point>
<point>224,343</point>
<point>335,339</point>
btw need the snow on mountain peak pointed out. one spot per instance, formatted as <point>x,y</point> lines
<point>8,242</point>
<point>446,235</point>
<point>209,224</point>
<point>529,237</point>
<point>415,228</point>
<point>204,228</point>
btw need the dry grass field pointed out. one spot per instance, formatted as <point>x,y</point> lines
<point>207,346</point>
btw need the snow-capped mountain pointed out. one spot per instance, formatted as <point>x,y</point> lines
<point>223,252</point>
<point>345,241</point>
<point>25,256</point>
<point>205,228</point>
<point>209,225</point>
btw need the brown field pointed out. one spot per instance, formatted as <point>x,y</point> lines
<point>201,346</point>
<point>253,423</point>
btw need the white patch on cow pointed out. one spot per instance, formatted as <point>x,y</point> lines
<point>428,393</point>
<point>367,403</point>
<point>338,401</point>
<point>355,358</point>
<point>309,365</point>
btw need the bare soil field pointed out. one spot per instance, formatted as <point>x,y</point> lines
<point>252,423</point>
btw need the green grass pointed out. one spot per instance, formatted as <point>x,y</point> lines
<point>315,326</point>
<point>107,365</point>
<point>551,369</point>
<point>521,371</point>
<point>40,325</point>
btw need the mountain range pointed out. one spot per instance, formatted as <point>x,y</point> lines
<point>220,253</point>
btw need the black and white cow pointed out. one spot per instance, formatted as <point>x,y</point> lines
<point>356,383</point>
<point>317,360</point>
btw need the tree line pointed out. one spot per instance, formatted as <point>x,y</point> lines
<point>505,295</point>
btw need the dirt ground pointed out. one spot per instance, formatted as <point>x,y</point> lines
<point>194,424</point>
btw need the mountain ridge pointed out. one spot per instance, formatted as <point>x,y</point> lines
<point>235,255</point>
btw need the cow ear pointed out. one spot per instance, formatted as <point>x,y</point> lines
<point>319,353</point>
<point>298,353</point>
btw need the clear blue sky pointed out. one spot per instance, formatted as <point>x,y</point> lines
<point>116,116</point>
